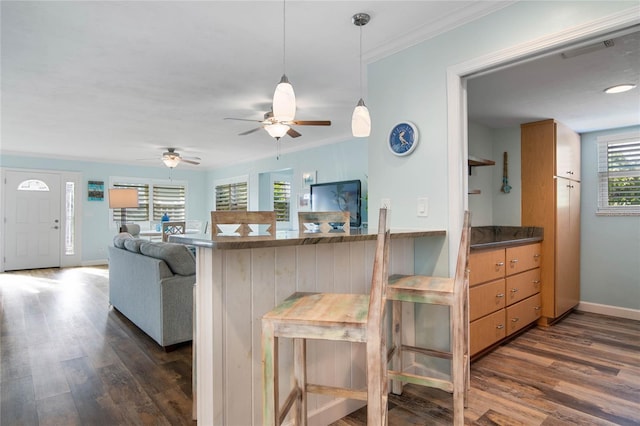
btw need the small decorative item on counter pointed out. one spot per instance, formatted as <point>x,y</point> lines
<point>165,217</point>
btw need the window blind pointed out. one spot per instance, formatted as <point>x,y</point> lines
<point>232,196</point>
<point>282,200</point>
<point>619,175</point>
<point>169,199</point>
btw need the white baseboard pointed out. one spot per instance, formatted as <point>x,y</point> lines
<point>97,262</point>
<point>614,311</point>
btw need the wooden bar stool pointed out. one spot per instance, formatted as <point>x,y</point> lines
<point>453,292</point>
<point>325,222</point>
<point>248,225</point>
<point>335,317</point>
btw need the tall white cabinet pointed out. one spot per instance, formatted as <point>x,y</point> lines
<point>550,155</point>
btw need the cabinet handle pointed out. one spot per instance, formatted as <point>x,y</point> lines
<point>569,186</point>
<point>537,308</point>
<point>514,290</point>
<point>500,326</point>
<point>500,295</point>
<point>515,319</point>
<point>536,281</point>
<point>514,260</point>
<point>569,172</point>
<point>500,264</point>
<point>535,256</point>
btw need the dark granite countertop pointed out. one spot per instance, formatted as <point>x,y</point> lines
<point>483,237</point>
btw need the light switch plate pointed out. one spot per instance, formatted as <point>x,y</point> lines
<point>423,207</point>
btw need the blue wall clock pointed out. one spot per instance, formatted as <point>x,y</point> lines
<point>403,138</point>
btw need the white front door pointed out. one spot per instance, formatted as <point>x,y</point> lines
<point>32,220</point>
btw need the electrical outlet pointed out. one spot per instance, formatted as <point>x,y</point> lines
<point>385,203</point>
<point>423,207</point>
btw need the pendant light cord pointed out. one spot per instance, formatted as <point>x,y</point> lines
<point>284,36</point>
<point>361,91</point>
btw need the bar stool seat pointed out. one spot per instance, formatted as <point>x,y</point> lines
<point>452,292</point>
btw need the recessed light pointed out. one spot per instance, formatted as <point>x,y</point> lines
<point>620,88</point>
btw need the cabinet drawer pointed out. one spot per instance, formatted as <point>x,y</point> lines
<point>486,331</point>
<point>522,258</point>
<point>486,298</point>
<point>521,286</point>
<point>523,313</point>
<point>486,266</point>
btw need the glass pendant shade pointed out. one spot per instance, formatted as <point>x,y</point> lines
<point>284,101</point>
<point>361,121</point>
<point>277,130</point>
<point>170,162</point>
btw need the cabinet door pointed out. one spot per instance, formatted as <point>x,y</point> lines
<point>522,258</point>
<point>486,331</point>
<point>523,313</point>
<point>486,265</point>
<point>567,284</point>
<point>486,298</point>
<point>567,153</point>
<point>522,285</point>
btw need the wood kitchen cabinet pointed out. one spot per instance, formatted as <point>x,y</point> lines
<point>504,293</point>
<point>551,199</point>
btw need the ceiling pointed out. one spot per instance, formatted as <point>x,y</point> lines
<point>123,81</point>
<point>567,84</point>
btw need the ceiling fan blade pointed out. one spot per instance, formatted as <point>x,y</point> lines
<point>184,160</point>
<point>243,119</point>
<point>293,133</point>
<point>311,122</point>
<point>249,131</point>
<point>192,158</point>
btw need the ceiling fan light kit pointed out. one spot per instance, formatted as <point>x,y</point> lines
<point>170,161</point>
<point>361,120</point>
<point>171,158</point>
<point>277,130</point>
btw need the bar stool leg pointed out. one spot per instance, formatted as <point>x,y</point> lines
<point>458,369</point>
<point>269,377</point>
<point>300,376</point>
<point>396,339</point>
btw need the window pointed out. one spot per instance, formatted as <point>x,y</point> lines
<point>619,174</point>
<point>232,196</point>
<point>282,200</point>
<point>154,199</point>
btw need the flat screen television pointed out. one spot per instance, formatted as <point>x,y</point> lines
<point>338,196</point>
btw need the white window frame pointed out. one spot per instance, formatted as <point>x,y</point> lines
<point>603,208</point>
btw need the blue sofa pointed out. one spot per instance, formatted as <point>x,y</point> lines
<point>151,283</point>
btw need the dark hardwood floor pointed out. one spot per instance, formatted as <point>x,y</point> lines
<point>67,358</point>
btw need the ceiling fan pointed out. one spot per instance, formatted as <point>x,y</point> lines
<point>171,158</point>
<point>277,129</point>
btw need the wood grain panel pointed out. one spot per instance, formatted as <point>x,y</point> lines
<point>486,265</point>
<point>486,298</point>
<point>486,331</point>
<point>523,313</point>
<point>521,286</point>
<point>522,258</point>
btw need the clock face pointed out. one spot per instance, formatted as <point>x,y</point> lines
<point>403,138</point>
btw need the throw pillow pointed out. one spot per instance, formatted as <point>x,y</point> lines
<point>118,240</point>
<point>133,244</point>
<point>177,256</point>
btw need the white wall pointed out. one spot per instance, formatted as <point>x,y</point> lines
<point>610,245</point>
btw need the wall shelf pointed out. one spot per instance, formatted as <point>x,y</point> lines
<point>479,162</point>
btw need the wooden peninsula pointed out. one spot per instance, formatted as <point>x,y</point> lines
<point>240,280</point>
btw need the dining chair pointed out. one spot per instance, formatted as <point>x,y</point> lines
<point>453,292</point>
<point>172,228</point>
<point>334,317</point>
<point>324,223</point>
<point>254,225</point>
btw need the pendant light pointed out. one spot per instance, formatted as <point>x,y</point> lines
<point>361,120</point>
<point>284,98</point>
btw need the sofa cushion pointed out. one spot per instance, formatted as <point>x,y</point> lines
<point>177,256</point>
<point>119,239</point>
<point>133,244</point>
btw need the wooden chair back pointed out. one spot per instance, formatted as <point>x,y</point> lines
<point>248,224</point>
<point>461,279</point>
<point>171,228</point>
<point>324,221</point>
